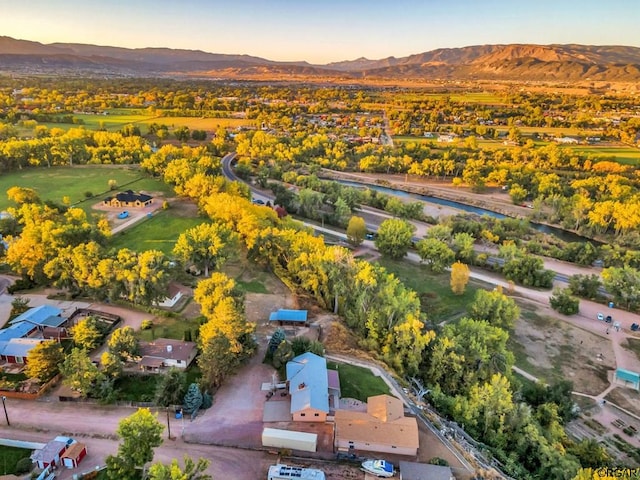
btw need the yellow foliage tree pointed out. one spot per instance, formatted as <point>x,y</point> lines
<point>459,277</point>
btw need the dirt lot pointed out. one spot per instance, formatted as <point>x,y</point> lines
<point>550,348</point>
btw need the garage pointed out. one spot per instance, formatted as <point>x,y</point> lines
<point>74,455</point>
<point>273,437</point>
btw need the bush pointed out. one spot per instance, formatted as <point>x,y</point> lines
<point>562,301</point>
<point>146,324</point>
<point>88,194</point>
<point>24,465</point>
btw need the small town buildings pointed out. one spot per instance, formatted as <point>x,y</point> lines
<point>382,428</point>
<point>308,386</point>
<point>174,294</point>
<point>423,471</point>
<point>51,453</point>
<point>164,353</point>
<point>128,199</point>
<point>289,317</point>
<point>16,350</point>
<point>290,439</point>
<point>73,455</point>
<point>567,140</point>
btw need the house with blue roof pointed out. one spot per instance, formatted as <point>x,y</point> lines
<point>289,317</point>
<point>42,316</point>
<point>18,338</point>
<point>308,384</point>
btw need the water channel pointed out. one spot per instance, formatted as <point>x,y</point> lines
<point>557,232</point>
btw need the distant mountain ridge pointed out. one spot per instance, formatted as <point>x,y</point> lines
<point>570,62</point>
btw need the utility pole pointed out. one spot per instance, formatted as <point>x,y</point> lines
<point>168,424</point>
<point>6,415</point>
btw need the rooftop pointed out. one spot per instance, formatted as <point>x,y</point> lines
<point>308,383</point>
<point>167,348</point>
<point>38,315</point>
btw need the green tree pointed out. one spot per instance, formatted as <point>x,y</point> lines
<point>43,360</point>
<point>341,211</point>
<point>564,302</point>
<point>191,470</point>
<point>462,245</point>
<point>123,342</point>
<point>207,245</point>
<point>80,374</point>
<point>495,308</point>
<point>585,286</point>
<point>528,271</point>
<point>356,230</point>
<point>435,253</point>
<point>394,237</point>
<point>140,433</point>
<point>193,399</point>
<point>87,333</point>
<point>171,387</point>
<point>310,203</point>
<point>624,284</point>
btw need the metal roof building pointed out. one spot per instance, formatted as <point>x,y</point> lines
<point>288,316</point>
<point>628,378</point>
<point>308,387</point>
<point>40,316</point>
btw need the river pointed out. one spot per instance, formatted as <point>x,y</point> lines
<point>557,232</point>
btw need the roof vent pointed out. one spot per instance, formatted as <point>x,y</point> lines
<point>301,386</point>
<point>169,348</point>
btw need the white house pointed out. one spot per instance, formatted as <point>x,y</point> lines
<point>165,353</point>
<point>174,294</point>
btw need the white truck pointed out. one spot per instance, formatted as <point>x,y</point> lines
<point>285,472</point>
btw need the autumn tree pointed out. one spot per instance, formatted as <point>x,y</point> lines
<point>394,238</point>
<point>207,245</point>
<point>140,433</point>
<point>87,333</point>
<point>459,277</point>
<point>494,307</point>
<point>21,195</point>
<point>123,343</point>
<point>356,231</point>
<point>191,470</point>
<point>44,359</point>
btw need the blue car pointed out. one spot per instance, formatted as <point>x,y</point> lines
<point>122,215</point>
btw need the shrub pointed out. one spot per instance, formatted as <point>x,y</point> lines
<point>146,324</point>
<point>88,194</point>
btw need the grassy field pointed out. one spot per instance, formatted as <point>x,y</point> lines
<point>436,298</point>
<point>136,388</point>
<point>357,382</point>
<point>164,327</point>
<point>9,457</point>
<point>159,232</point>
<point>116,120</point>
<point>623,154</point>
<point>57,182</point>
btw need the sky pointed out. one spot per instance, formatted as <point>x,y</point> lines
<point>321,31</point>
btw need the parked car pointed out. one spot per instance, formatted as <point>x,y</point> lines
<point>601,316</point>
<point>122,215</point>
<point>370,236</point>
<point>257,201</point>
<point>608,319</point>
<point>635,327</point>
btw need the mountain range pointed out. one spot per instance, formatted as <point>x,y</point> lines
<point>481,62</point>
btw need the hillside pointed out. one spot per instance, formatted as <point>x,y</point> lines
<point>479,62</point>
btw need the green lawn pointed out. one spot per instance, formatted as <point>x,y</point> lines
<point>252,286</point>
<point>55,183</point>
<point>169,327</point>
<point>136,388</point>
<point>357,382</point>
<point>436,298</point>
<point>159,232</point>
<point>9,457</point>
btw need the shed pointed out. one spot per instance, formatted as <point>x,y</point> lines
<point>50,453</point>
<point>628,378</point>
<point>74,455</point>
<point>289,317</point>
<point>424,471</point>
<point>273,437</point>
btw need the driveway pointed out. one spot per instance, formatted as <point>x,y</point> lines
<point>235,419</point>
